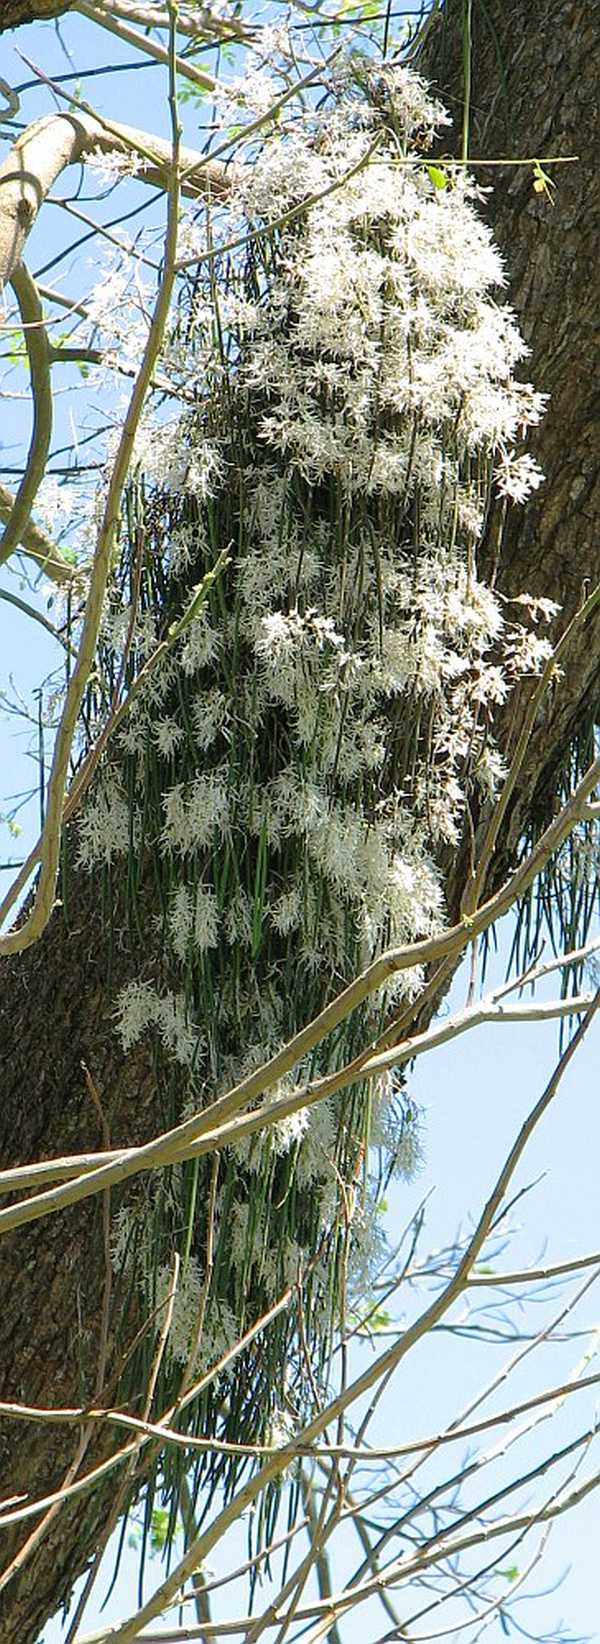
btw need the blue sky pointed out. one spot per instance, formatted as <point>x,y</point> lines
<point>475,1093</point>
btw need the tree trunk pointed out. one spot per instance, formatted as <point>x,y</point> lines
<point>535,93</point>
<point>56,1022</point>
<point>57,999</point>
<point>14,13</point>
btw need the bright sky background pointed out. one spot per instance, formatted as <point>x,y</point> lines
<point>474,1093</point>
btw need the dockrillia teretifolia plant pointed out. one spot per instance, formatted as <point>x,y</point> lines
<point>312,743</point>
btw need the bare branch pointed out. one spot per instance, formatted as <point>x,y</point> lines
<point>207,1131</point>
<point>34,544</point>
<point>36,616</point>
<point>196,21</point>
<point>204,1543</point>
<point>36,343</point>
<point>17,941</point>
<point>43,151</point>
<point>485,1011</point>
<point>143,42</point>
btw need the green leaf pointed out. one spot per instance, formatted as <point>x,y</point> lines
<point>542,182</point>
<point>14,828</point>
<point>438,177</point>
<point>158,1529</point>
<point>372,1320</point>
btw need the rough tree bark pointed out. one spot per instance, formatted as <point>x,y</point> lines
<point>55,1003</point>
<point>534,92</point>
<point>14,13</point>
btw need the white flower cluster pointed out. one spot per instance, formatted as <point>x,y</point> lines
<point>193,919</point>
<point>139,1007</point>
<point>368,1248</point>
<point>195,813</point>
<point>132,1231</point>
<point>396,1128</point>
<point>381,356</point>
<point>107,828</point>
<point>332,715</point>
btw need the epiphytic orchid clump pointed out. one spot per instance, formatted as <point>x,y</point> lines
<point>317,736</point>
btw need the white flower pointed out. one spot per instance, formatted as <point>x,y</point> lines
<point>133,734</point>
<point>122,1232</point>
<point>287,1133</point>
<point>106,829</point>
<point>317,1147</point>
<point>186,1305</point>
<point>368,1247</point>
<point>201,644</point>
<point>527,653</point>
<point>411,99</point>
<point>286,913</point>
<point>205,470</point>
<point>206,919</point>
<point>517,477</point>
<point>283,1429</point>
<point>210,715</point>
<point>136,1008</point>
<point>183,546</point>
<point>397,1126</point>
<point>139,1006</point>
<point>193,919</point>
<point>175,1031</point>
<point>54,503</point>
<point>238,920</point>
<point>194,813</point>
<point>110,294</point>
<point>540,610</point>
<point>109,166</point>
<point>167,735</point>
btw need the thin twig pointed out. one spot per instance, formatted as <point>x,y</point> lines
<point>34,544</point>
<point>115,719</point>
<point>202,1134</point>
<point>475,886</point>
<point>204,1543</point>
<point>144,42</point>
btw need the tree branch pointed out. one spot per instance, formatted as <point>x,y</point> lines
<point>43,151</point>
<point>36,545</point>
<point>206,1131</point>
<point>249,1492</point>
<point>144,42</point>
<point>37,920</point>
<point>36,343</point>
<point>15,13</point>
<point>201,24</point>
